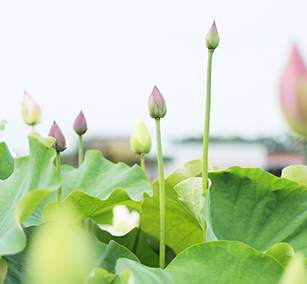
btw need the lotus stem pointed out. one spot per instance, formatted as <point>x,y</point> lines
<point>58,166</point>
<point>207,124</point>
<point>161,195</point>
<point>80,155</point>
<point>142,161</point>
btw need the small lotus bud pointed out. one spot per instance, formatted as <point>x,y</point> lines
<point>60,142</point>
<point>212,38</point>
<point>156,104</point>
<point>293,92</point>
<point>140,141</point>
<point>80,124</point>
<point>30,110</point>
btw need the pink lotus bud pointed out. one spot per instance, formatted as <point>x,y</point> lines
<point>30,110</point>
<point>293,93</point>
<point>60,142</point>
<point>156,104</point>
<point>212,38</point>
<point>80,124</point>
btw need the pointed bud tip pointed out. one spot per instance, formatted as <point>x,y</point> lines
<point>80,125</point>
<point>140,141</point>
<point>212,38</point>
<point>156,104</point>
<point>60,142</point>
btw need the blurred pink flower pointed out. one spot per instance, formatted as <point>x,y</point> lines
<point>31,112</point>
<point>293,92</point>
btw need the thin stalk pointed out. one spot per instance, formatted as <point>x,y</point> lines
<point>142,160</point>
<point>80,155</point>
<point>58,166</point>
<point>207,124</point>
<point>32,127</point>
<point>161,195</point>
<point>305,151</point>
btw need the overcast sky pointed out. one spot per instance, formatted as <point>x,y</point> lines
<point>105,56</point>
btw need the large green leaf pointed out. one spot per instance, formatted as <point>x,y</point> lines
<point>95,180</point>
<point>6,161</point>
<point>33,179</point>
<point>101,255</point>
<point>182,227</point>
<point>256,208</point>
<point>216,262</point>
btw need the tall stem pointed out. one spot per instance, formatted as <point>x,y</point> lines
<point>80,155</point>
<point>32,127</point>
<point>305,152</point>
<point>161,195</point>
<point>207,124</point>
<point>142,160</point>
<point>58,165</point>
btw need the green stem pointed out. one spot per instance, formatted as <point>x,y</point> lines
<point>58,166</point>
<point>305,150</point>
<point>33,127</point>
<point>207,124</point>
<point>161,195</point>
<point>80,155</point>
<point>142,160</point>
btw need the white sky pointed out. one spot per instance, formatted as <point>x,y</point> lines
<point>105,56</point>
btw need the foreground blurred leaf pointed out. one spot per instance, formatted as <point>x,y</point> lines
<point>219,262</point>
<point>101,276</point>
<point>33,179</point>
<point>3,269</point>
<point>2,124</point>
<point>296,173</point>
<point>256,208</point>
<point>6,162</point>
<point>102,255</point>
<point>95,180</point>
<point>182,227</point>
<point>282,252</point>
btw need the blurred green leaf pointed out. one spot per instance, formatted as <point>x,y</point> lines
<point>103,255</point>
<point>296,173</point>
<point>2,124</point>
<point>101,276</point>
<point>6,162</point>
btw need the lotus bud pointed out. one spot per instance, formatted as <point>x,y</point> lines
<point>293,93</point>
<point>212,38</point>
<point>156,104</point>
<point>80,125</point>
<point>30,110</point>
<point>140,141</point>
<point>60,142</point>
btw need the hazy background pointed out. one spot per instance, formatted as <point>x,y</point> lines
<point>105,56</point>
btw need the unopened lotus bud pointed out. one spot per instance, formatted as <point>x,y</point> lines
<point>30,110</point>
<point>80,125</point>
<point>60,142</point>
<point>293,92</point>
<point>212,38</point>
<point>140,141</point>
<point>156,104</point>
